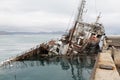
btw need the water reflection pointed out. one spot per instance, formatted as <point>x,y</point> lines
<point>75,68</point>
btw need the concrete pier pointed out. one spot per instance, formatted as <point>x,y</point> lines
<point>108,61</point>
<point>105,68</point>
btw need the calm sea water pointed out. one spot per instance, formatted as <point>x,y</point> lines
<point>11,45</point>
<point>76,68</point>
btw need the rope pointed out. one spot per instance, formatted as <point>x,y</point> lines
<point>70,20</point>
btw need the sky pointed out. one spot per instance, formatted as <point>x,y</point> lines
<point>56,15</point>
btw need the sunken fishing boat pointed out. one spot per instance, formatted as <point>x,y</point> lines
<point>82,38</point>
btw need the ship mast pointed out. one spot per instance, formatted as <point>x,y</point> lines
<point>78,20</point>
<point>80,11</point>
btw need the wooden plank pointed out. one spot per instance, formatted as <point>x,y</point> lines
<point>104,73</point>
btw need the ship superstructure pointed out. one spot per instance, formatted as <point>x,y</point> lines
<point>82,36</point>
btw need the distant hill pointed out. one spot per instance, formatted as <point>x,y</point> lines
<point>3,33</point>
<point>29,33</point>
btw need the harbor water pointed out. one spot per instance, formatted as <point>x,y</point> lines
<point>11,45</point>
<point>55,68</point>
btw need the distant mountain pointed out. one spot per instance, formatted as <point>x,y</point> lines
<point>3,33</point>
<point>29,33</point>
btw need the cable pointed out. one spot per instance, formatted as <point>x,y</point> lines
<point>70,20</point>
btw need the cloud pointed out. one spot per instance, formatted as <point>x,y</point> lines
<point>110,14</point>
<point>32,19</point>
<point>34,14</point>
<point>45,15</point>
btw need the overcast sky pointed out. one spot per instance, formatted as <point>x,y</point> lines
<point>55,15</point>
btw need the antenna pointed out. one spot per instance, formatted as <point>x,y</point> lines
<point>98,17</point>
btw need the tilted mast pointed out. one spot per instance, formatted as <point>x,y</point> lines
<point>80,11</point>
<point>78,19</point>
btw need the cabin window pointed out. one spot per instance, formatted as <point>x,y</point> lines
<point>93,34</point>
<point>98,36</point>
